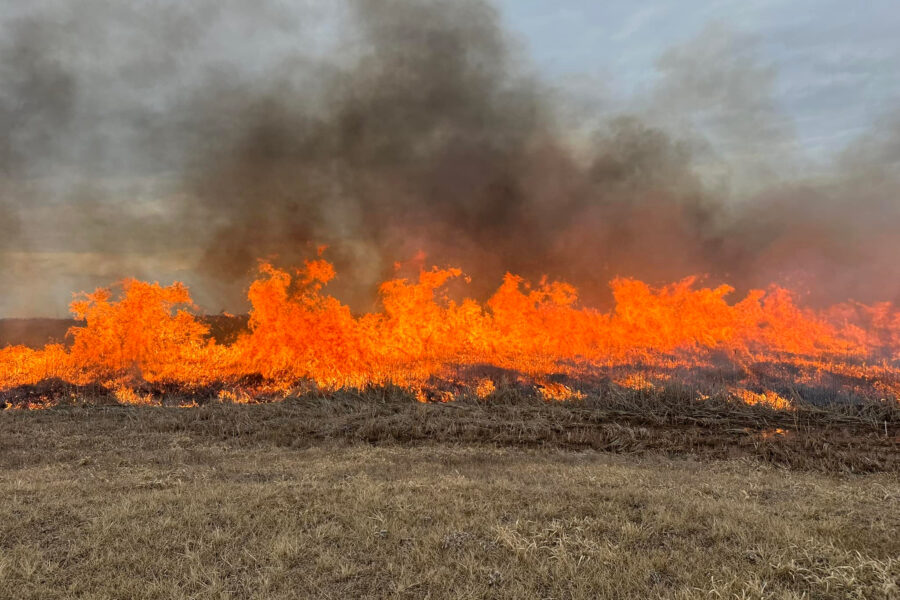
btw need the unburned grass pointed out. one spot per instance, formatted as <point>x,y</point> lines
<point>442,521</point>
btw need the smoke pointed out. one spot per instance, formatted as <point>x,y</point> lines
<point>35,102</point>
<point>833,236</point>
<point>716,84</point>
<point>97,134</point>
<point>437,139</point>
<point>169,140</point>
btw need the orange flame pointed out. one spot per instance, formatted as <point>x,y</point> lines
<point>147,334</point>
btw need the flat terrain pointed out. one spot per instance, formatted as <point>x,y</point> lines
<point>331,498</point>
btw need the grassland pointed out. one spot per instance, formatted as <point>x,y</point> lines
<point>377,496</point>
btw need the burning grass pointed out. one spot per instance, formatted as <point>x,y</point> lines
<point>144,346</point>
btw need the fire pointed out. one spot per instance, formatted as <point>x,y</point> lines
<point>559,392</point>
<point>767,397</point>
<point>127,395</point>
<point>422,339</point>
<point>484,388</point>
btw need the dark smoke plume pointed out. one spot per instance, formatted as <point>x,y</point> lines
<point>190,140</point>
<point>436,140</point>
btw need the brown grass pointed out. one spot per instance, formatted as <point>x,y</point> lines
<point>381,497</point>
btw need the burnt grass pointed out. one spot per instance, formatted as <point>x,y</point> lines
<point>857,438</point>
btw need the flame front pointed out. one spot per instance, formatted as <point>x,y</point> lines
<point>421,339</point>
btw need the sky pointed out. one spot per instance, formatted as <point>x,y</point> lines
<point>835,62</point>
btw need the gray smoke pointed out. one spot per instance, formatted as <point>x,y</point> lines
<point>190,140</point>
<point>436,139</point>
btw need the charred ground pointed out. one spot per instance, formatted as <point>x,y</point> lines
<point>839,438</point>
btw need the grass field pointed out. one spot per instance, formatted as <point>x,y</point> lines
<point>355,497</point>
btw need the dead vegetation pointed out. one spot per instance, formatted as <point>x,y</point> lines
<point>173,504</point>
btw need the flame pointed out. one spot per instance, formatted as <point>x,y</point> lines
<point>149,334</point>
<point>559,392</point>
<point>129,396</point>
<point>484,388</point>
<point>766,398</point>
<point>774,433</point>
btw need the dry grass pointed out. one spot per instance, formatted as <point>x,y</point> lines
<point>439,522</point>
<point>288,501</point>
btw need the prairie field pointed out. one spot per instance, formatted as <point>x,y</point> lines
<point>374,495</point>
<point>351,299</point>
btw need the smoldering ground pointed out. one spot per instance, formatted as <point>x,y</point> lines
<point>174,140</point>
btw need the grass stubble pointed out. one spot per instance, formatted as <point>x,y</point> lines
<point>369,494</point>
